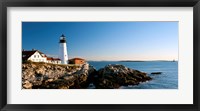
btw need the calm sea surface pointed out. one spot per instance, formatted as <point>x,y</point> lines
<point>167,80</point>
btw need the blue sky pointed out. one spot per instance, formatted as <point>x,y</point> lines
<point>105,40</point>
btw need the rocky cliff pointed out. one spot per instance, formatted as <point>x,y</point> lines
<point>51,76</point>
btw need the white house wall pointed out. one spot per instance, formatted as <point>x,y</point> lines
<point>36,57</point>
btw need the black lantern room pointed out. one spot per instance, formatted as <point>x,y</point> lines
<point>62,39</point>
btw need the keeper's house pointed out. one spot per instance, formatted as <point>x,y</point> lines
<point>37,56</point>
<point>77,61</point>
<point>53,60</point>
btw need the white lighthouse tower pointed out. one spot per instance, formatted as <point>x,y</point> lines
<point>63,50</point>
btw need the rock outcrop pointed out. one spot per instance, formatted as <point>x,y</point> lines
<point>41,75</point>
<point>114,76</point>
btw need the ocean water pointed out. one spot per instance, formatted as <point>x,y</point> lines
<point>167,80</point>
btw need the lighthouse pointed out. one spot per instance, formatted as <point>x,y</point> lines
<point>63,49</point>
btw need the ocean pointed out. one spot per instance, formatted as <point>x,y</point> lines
<point>168,79</point>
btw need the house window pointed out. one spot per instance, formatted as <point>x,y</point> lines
<point>38,56</point>
<point>34,56</point>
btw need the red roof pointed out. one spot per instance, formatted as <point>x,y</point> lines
<point>56,58</point>
<point>51,58</point>
<point>77,58</point>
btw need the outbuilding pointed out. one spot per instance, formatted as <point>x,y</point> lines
<point>76,61</point>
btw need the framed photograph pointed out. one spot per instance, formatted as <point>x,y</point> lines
<point>99,55</point>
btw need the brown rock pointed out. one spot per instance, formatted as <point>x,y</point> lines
<point>114,76</point>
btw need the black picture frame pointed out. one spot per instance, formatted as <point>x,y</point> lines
<point>99,3</point>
